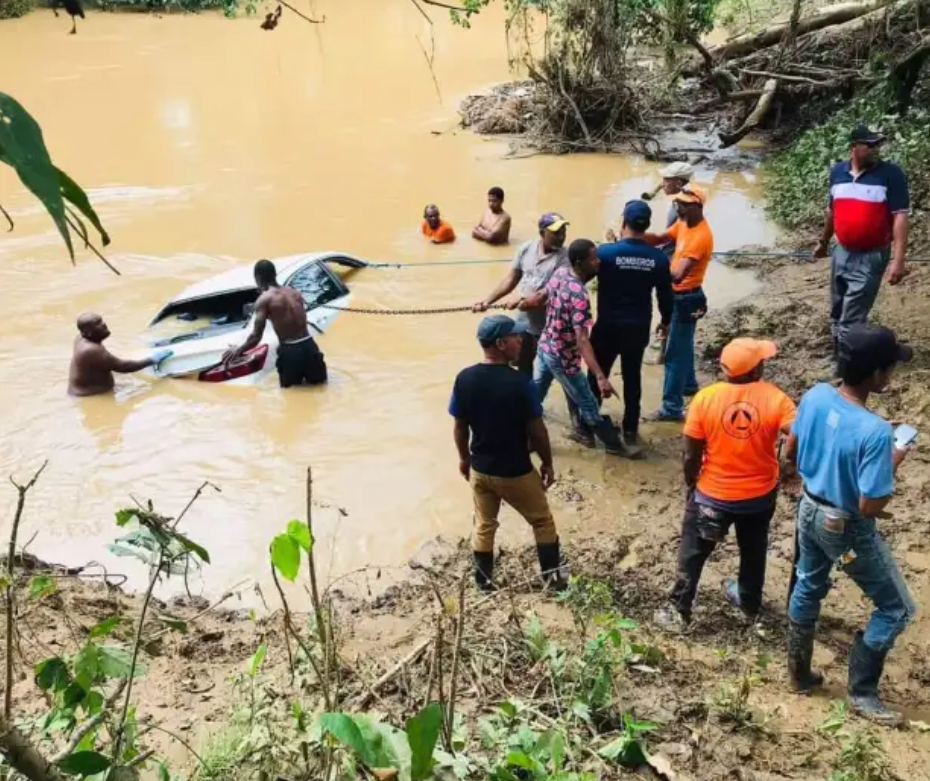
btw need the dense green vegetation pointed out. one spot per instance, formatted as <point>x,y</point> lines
<point>13,9</point>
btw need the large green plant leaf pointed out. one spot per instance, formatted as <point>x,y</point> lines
<point>346,731</point>
<point>285,555</point>
<point>23,148</point>
<point>300,532</point>
<point>52,674</point>
<point>83,763</point>
<point>71,191</point>
<point>422,734</point>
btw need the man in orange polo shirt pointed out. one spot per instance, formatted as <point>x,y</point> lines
<point>694,245</point>
<point>437,230</point>
<point>731,470</point>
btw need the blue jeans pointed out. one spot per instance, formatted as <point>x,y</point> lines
<point>548,368</point>
<point>679,353</point>
<point>855,278</point>
<point>872,567</point>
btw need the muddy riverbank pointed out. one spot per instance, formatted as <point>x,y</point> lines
<point>687,691</point>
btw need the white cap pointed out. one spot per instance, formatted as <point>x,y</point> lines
<point>677,171</point>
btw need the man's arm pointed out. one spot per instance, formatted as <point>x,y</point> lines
<point>587,354</point>
<point>820,251</point>
<point>461,435</point>
<point>501,233</point>
<point>658,239</point>
<point>539,441</point>
<point>258,330</point>
<point>681,270</point>
<point>877,466</point>
<point>692,459</point>
<point>505,286</point>
<point>664,294</point>
<point>104,359</point>
<point>481,233</point>
<point>899,230</point>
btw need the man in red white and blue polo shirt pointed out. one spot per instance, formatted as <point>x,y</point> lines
<point>868,208</point>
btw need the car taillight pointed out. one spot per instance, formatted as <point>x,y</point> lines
<point>247,364</point>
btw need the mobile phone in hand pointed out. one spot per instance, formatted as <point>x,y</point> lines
<point>904,436</point>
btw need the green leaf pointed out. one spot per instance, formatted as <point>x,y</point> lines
<point>105,627</point>
<point>164,774</point>
<point>172,622</point>
<point>86,664</point>
<point>346,731</point>
<point>83,763</point>
<point>285,555</point>
<point>93,702</point>
<point>519,759</point>
<point>192,547</point>
<point>71,191</point>
<point>124,516</point>
<point>422,734</point>
<point>52,674</point>
<point>300,533</point>
<point>42,586</point>
<point>116,662</point>
<point>255,663</point>
<point>74,695</point>
<point>557,750</point>
<point>23,148</point>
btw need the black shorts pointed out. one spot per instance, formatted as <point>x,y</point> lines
<point>301,363</point>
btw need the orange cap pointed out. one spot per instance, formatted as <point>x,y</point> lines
<point>741,356</point>
<point>691,193</point>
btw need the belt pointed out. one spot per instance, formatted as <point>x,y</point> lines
<point>290,342</point>
<point>819,500</point>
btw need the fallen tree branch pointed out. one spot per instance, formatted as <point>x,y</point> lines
<point>23,757</point>
<point>9,219</point>
<point>784,77</point>
<point>575,111</point>
<point>755,117</point>
<point>411,657</point>
<point>825,17</point>
<point>302,16</point>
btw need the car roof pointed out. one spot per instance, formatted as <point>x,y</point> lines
<point>242,277</point>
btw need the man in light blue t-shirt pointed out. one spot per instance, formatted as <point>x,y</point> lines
<point>847,459</point>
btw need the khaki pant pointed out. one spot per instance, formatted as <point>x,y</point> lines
<point>525,494</point>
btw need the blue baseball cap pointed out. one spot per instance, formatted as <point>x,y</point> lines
<point>497,327</point>
<point>638,212</point>
<point>552,222</point>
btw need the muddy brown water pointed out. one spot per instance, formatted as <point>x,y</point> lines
<point>207,142</point>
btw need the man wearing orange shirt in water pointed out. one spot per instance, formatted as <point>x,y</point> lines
<point>694,246</point>
<point>438,231</point>
<point>731,470</point>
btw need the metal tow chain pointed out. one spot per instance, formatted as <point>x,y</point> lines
<point>434,311</point>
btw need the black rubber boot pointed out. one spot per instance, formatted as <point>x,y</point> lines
<point>484,571</point>
<point>865,670</point>
<point>608,434</point>
<point>550,564</point>
<point>733,597</point>
<point>800,652</point>
<point>581,432</point>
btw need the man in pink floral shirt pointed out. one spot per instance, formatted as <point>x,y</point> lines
<point>564,343</point>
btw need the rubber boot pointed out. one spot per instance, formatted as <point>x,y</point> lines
<point>614,445</point>
<point>550,564</point>
<point>800,652</point>
<point>733,597</point>
<point>581,432</point>
<point>484,571</point>
<point>865,670</point>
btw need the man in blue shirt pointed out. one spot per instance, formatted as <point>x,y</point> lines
<point>630,270</point>
<point>847,459</point>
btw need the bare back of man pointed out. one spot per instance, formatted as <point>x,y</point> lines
<point>286,310</point>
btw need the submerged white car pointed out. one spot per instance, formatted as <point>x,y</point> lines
<point>203,321</point>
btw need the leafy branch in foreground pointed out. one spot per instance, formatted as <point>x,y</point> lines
<point>22,147</point>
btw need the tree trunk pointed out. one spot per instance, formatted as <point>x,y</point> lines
<point>825,17</point>
<point>23,757</point>
<point>755,118</point>
<point>905,74</point>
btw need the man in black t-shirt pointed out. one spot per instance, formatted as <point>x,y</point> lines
<point>630,270</point>
<point>498,418</point>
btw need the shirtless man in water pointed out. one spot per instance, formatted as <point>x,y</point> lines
<point>494,227</point>
<point>300,361</point>
<point>92,365</point>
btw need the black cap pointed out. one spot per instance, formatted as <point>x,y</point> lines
<point>872,347</point>
<point>863,135</point>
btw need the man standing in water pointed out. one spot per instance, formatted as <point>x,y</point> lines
<point>675,177</point>
<point>498,418</point>
<point>437,230</point>
<point>847,458</point>
<point>494,227</point>
<point>694,246</point>
<point>868,208</point>
<point>92,364</point>
<point>532,267</point>
<point>300,361</point>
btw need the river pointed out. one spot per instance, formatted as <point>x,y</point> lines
<point>206,142</point>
